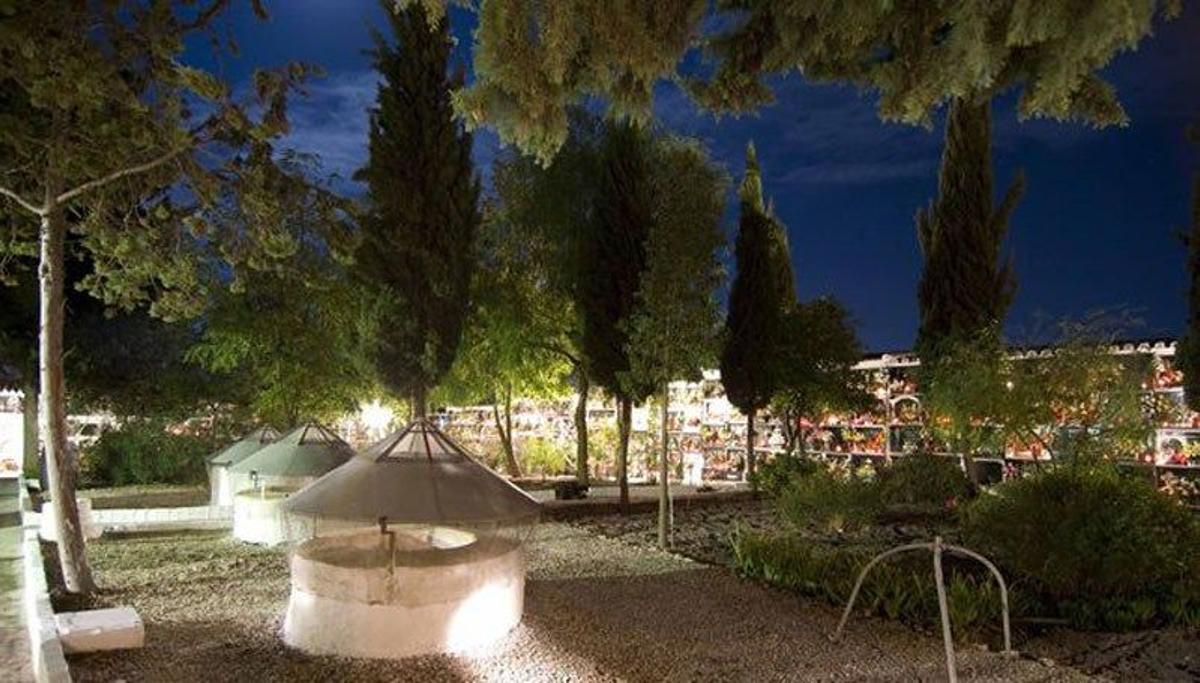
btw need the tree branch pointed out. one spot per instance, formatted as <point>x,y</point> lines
<point>122,173</point>
<point>28,206</point>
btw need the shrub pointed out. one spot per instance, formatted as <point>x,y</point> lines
<point>1109,550</point>
<point>143,452</point>
<point>901,587</point>
<point>922,480</point>
<point>830,499</point>
<point>544,457</point>
<point>773,476</point>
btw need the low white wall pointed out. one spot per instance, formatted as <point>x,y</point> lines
<point>49,663</point>
<point>164,519</point>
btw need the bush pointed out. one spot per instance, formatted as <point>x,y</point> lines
<point>143,452</point>
<point>834,500</point>
<point>923,480</point>
<point>773,476</point>
<point>544,457</point>
<point>901,587</point>
<point>1109,550</point>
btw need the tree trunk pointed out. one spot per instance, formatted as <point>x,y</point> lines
<point>29,429</point>
<point>664,488</point>
<point>418,403</point>
<point>504,429</point>
<point>581,432</point>
<point>72,554</point>
<point>750,455</point>
<point>624,418</point>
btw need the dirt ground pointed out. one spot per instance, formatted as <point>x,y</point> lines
<point>597,609</point>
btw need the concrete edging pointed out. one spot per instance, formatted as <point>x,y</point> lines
<point>164,519</point>
<point>48,662</point>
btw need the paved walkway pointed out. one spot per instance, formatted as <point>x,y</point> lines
<point>14,640</point>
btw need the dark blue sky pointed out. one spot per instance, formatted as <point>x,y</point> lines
<point>1096,229</point>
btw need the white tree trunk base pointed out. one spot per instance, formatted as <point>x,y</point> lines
<point>348,598</point>
<point>48,530</point>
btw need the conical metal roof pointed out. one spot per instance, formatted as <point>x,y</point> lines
<point>417,475</point>
<point>309,450</point>
<point>244,447</point>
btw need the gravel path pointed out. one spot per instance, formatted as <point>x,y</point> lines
<point>597,609</point>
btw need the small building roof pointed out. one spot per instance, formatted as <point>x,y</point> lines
<point>243,448</point>
<point>309,450</point>
<point>417,475</point>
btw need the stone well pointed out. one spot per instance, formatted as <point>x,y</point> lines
<point>258,515</point>
<point>411,591</point>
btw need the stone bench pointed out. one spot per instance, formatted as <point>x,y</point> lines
<point>117,628</point>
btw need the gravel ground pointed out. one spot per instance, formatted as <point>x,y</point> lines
<point>1156,655</point>
<point>597,609</point>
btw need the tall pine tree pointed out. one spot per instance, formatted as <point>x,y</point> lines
<point>1188,358</point>
<point>417,250</point>
<point>762,294</point>
<point>965,288</point>
<point>612,260</point>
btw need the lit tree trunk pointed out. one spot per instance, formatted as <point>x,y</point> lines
<point>624,417</point>
<point>418,403</point>
<point>664,489</point>
<point>581,431</point>
<point>77,574</point>
<point>504,428</point>
<point>29,411</point>
<point>748,475</point>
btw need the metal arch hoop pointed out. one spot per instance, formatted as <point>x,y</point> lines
<point>937,547</point>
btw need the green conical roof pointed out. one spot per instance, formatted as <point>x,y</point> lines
<point>309,450</point>
<point>244,448</point>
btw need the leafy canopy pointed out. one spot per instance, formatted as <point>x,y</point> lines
<point>418,233</point>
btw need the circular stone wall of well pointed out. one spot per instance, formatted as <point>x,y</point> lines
<point>258,515</point>
<point>445,591</point>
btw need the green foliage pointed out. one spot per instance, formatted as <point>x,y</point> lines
<point>774,476</point>
<point>535,60</point>
<point>927,481</point>
<point>900,588</point>
<point>613,259</point>
<point>830,500</point>
<point>99,126</point>
<point>761,295</point>
<point>836,498</point>
<point>1108,549</point>
<point>816,358</point>
<point>293,336</point>
<point>144,452</point>
<point>545,457</point>
<point>673,330</point>
<point>964,289</point>
<point>918,55</point>
<point>1075,400</point>
<point>419,232</point>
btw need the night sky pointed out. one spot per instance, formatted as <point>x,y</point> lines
<point>1096,230</point>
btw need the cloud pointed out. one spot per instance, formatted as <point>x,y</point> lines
<point>331,121</point>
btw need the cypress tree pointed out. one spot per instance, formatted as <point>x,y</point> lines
<point>762,293</point>
<point>418,234</point>
<point>965,289</point>
<point>1188,354</point>
<point>612,260</point>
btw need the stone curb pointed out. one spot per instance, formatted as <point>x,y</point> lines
<point>48,661</point>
